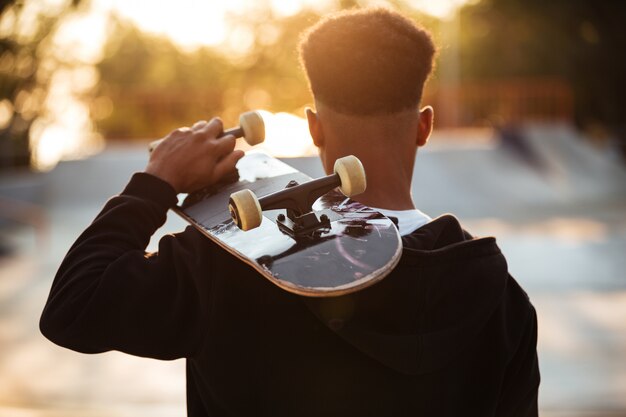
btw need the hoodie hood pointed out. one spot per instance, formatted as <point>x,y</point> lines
<point>435,302</point>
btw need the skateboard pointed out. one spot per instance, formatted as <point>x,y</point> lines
<point>304,235</point>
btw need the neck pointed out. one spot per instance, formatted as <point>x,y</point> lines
<point>385,144</point>
<point>388,184</point>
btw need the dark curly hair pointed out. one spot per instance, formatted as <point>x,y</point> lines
<point>367,61</point>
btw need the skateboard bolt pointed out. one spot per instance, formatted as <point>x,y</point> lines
<point>281,217</point>
<point>291,183</point>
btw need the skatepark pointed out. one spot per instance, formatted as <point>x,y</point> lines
<point>557,208</point>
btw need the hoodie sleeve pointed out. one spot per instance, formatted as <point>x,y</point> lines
<point>109,294</point>
<point>521,381</point>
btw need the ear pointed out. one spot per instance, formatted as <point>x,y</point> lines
<point>315,127</point>
<point>425,125</point>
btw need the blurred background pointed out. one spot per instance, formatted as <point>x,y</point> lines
<point>529,146</point>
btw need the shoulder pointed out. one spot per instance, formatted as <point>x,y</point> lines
<point>516,311</point>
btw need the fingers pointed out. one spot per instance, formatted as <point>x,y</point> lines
<point>224,145</point>
<point>214,128</point>
<point>194,157</point>
<point>198,125</point>
<point>207,135</point>
<point>227,164</point>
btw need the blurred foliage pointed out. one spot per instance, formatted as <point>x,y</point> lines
<point>155,86</point>
<point>581,41</point>
<point>23,77</point>
<point>149,86</point>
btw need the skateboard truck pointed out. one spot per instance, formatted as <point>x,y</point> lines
<point>298,200</point>
<point>300,219</point>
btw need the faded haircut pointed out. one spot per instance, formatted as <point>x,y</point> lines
<point>367,62</point>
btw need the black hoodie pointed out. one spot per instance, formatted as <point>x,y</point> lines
<point>448,333</point>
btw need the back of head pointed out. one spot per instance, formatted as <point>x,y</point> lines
<point>367,62</point>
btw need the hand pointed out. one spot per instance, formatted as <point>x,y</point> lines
<point>190,159</point>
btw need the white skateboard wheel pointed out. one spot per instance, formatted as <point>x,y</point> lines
<point>253,127</point>
<point>351,174</point>
<point>245,209</point>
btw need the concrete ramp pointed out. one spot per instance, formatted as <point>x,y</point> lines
<point>491,179</point>
<point>581,171</point>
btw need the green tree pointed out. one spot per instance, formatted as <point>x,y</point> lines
<point>153,86</point>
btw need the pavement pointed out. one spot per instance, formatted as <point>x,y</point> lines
<point>560,222</point>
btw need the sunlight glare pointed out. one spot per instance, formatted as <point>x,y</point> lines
<point>48,147</point>
<point>67,131</point>
<point>286,135</point>
<point>195,23</point>
<point>6,113</point>
<point>82,37</point>
<point>286,7</point>
<point>189,23</point>
<point>240,41</point>
<point>442,9</point>
<point>26,24</point>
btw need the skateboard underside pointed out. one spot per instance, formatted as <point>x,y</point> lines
<point>359,249</point>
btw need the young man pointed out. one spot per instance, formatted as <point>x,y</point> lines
<point>447,333</point>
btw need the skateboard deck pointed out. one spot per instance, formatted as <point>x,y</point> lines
<point>360,248</point>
